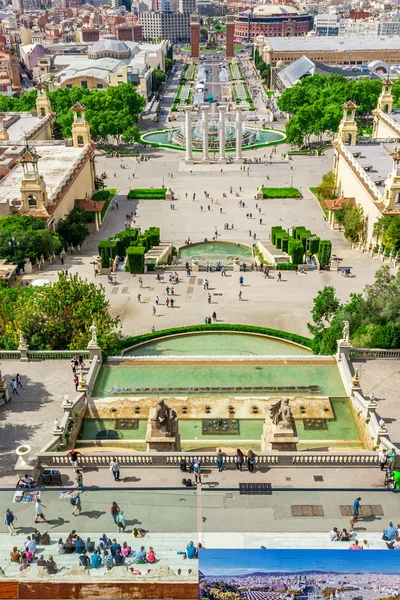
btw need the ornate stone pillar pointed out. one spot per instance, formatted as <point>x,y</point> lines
<point>238,123</point>
<point>188,134</point>
<point>222,115</point>
<point>204,116</point>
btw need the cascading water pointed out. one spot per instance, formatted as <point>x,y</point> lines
<point>178,136</point>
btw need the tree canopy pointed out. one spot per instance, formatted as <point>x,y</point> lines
<point>110,112</point>
<point>374,315</point>
<point>58,316</point>
<point>31,239</point>
<point>315,104</point>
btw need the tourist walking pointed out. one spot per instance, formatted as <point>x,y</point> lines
<point>77,504</point>
<point>73,456</point>
<point>239,459</point>
<point>114,468</point>
<point>383,459</point>
<point>154,311</point>
<point>9,519</point>
<point>279,276</point>
<point>76,382</point>
<point>240,295</point>
<point>79,479</point>
<point>250,460</point>
<point>115,510</point>
<point>19,381</point>
<point>356,508</point>
<point>14,387</point>
<point>39,511</point>
<point>197,472</point>
<point>219,459</point>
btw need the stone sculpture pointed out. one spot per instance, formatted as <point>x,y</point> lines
<point>281,414</point>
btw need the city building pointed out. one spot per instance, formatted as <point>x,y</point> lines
<point>370,173</point>
<point>273,20</point>
<point>173,26</point>
<point>326,24</point>
<point>338,50</point>
<point>10,78</point>
<point>130,33</point>
<point>48,178</point>
<point>31,54</point>
<point>286,77</point>
<point>108,63</point>
<point>366,28</point>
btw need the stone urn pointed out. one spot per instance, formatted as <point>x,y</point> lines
<point>23,453</point>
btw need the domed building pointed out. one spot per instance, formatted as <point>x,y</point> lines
<point>273,20</point>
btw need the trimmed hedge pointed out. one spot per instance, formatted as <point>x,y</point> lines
<point>324,253</point>
<point>135,259</point>
<point>104,253</point>
<point>286,267</point>
<point>296,251</point>
<point>281,192</point>
<point>147,194</point>
<point>285,335</point>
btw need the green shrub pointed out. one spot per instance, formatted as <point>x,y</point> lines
<point>101,195</point>
<point>135,259</point>
<point>292,337</point>
<point>104,253</point>
<point>324,253</point>
<point>154,235</point>
<point>286,267</point>
<point>313,245</point>
<point>298,231</point>
<point>296,251</point>
<point>274,230</point>
<point>281,192</point>
<point>147,194</point>
<point>285,242</point>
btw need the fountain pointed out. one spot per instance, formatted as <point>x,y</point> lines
<point>178,136</point>
<point>215,127</point>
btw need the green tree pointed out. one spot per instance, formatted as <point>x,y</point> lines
<point>380,226</point>
<point>31,236</point>
<point>168,64</point>
<point>354,224</point>
<point>57,316</point>
<point>72,229</point>
<point>158,79</point>
<point>327,188</point>
<point>391,235</point>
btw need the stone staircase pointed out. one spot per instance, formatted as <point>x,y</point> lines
<point>169,564</point>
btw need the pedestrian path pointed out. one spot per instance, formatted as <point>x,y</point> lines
<point>166,546</point>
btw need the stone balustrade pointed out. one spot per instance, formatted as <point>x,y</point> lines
<point>373,353</point>
<point>173,459</point>
<point>43,354</point>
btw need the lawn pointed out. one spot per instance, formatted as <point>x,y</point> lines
<point>288,192</point>
<point>147,194</point>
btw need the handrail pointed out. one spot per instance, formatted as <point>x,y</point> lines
<point>373,353</point>
<point>173,459</point>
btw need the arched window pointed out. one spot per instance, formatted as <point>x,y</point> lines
<point>42,112</point>
<point>32,202</point>
<point>80,140</point>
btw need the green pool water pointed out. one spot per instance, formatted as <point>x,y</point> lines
<point>162,138</point>
<point>214,252</point>
<point>219,375</point>
<point>218,344</point>
<point>343,427</point>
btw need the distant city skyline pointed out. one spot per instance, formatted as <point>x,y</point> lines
<point>216,562</point>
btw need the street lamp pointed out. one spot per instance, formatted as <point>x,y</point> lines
<point>14,244</point>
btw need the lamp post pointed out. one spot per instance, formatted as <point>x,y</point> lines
<point>14,244</point>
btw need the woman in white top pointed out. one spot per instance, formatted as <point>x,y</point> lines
<point>114,468</point>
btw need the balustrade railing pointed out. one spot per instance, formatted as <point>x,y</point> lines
<point>372,353</point>
<point>173,459</point>
<point>10,354</point>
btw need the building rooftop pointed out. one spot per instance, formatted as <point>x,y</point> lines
<point>333,43</point>
<point>375,160</point>
<point>275,9</point>
<point>22,127</point>
<point>55,165</point>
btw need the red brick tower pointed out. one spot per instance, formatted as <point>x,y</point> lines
<point>230,31</point>
<point>194,37</point>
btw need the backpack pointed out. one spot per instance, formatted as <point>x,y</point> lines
<point>187,482</point>
<point>73,501</point>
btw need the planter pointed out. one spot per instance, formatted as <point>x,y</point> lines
<point>23,453</point>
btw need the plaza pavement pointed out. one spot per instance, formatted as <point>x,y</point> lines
<point>284,306</point>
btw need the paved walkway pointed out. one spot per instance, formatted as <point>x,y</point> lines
<point>284,306</point>
<point>166,547</point>
<point>29,417</point>
<point>382,378</point>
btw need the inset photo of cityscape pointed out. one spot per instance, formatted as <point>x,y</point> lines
<point>298,574</point>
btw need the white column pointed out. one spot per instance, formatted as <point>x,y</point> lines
<point>238,124</point>
<point>222,113</point>
<point>204,111</point>
<point>188,134</point>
